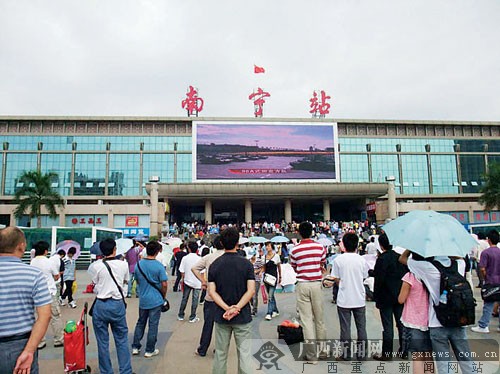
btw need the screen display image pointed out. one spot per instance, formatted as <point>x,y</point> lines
<point>264,151</point>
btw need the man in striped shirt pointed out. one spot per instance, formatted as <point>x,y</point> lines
<point>308,259</point>
<point>23,289</point>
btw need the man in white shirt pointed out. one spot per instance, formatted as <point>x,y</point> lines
<point>110,308</point>
<point>349,270</point>
<point>50,269</point>
<point>371,247</point>
<point>191,283</point>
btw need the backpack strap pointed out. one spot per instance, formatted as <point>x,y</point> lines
<point>441,267</point>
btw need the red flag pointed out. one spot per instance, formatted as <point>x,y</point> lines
<point>258,69</point>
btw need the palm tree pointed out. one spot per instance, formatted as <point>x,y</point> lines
<point>36,192</point>
<point>490,197</point>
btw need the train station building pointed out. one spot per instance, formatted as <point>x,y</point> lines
<point>137,173</point>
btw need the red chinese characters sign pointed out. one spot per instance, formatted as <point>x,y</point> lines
<point>86,220</point>
<point>258,101</point>
<point>319,105</point>
<point>193,104</point>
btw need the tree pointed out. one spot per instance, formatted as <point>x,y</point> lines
<point>36,191</point>
<point>490,197</point>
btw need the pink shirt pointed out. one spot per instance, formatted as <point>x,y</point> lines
<point>416,309</point>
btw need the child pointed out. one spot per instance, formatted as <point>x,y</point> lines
<point>415,319</point>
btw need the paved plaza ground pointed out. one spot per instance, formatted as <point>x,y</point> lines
<point>178,340</point>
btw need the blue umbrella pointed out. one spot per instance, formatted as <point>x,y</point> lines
<point>258,239</point>
<point>280,239</point>
<point>95,249</point>
<point>429,233</point>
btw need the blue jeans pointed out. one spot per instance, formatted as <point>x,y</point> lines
<point>111,313</point>
<point>486,317</point>
<point>194,301</point>
<point>271,306</point>
<point>441,338</point>
<point>10,351</point>
<point>154,320</point>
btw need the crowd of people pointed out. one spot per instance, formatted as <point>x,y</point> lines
<point>330,228</point>
<point>226,276</point>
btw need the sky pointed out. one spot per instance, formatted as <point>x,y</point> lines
<point>384,59</point>
<point>298,136</point>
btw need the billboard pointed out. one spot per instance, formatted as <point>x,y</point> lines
<point>265,151</point>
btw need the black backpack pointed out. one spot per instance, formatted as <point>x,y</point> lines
<point>460,307</point>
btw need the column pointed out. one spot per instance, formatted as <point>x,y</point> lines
<point>326,210</point>
<point>208,211</point>
<point>391,200</point>
<point>248,211</point>
<point>154,210</point>
<point>288,210</point>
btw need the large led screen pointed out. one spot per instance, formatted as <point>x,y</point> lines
<point>224,151</point>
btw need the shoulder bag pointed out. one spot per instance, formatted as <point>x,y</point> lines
<point>490,292</point>
<point>269,279</point>
<point>166,305</point>
<point>91,310</point>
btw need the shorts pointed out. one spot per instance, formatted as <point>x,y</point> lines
<point>420,341</point>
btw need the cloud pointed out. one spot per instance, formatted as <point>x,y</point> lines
<point>381,60</point>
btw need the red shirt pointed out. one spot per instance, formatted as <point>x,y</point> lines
<point>308,259</point>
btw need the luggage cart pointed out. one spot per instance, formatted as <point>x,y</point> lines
<point>75,346</point>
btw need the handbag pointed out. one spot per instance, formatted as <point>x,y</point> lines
<point>490,292</point>
<point>270,280</point>
<point>263,292</point>
<point>291,335</point>
<point>166,305</point>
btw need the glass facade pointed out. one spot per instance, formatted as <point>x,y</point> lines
<point>121,165</point>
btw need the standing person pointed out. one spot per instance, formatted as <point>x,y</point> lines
<point>69,277</point>
<point>204,252</point>
<point>388,274</point>
<point>133,256</point>
<point>51,272</point>
<point>349,270</point>
<point>415,319</point>
<point>191,283</point>
<point>20,332</point>
<point>308,259</point>
<point>441,337</point>
<point>178,259</point>
<point>257,261</point>
<point>111,277</point>
<point>231,285</point>
<point>152,282</point>
<point>272,266</point>
<point>489,266</point>
<point>483,244</point>
<point>59,261</point>
<point>371,247</point>
<point>209,306</point>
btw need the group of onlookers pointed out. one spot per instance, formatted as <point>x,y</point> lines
<point>406,289</point>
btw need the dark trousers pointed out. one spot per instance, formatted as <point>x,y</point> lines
<point>345,331</point>
<point>177,280</point>
<point>203,295</point>
<point>387,313</point>
<point>208,327</point>
<point>68,290</point>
